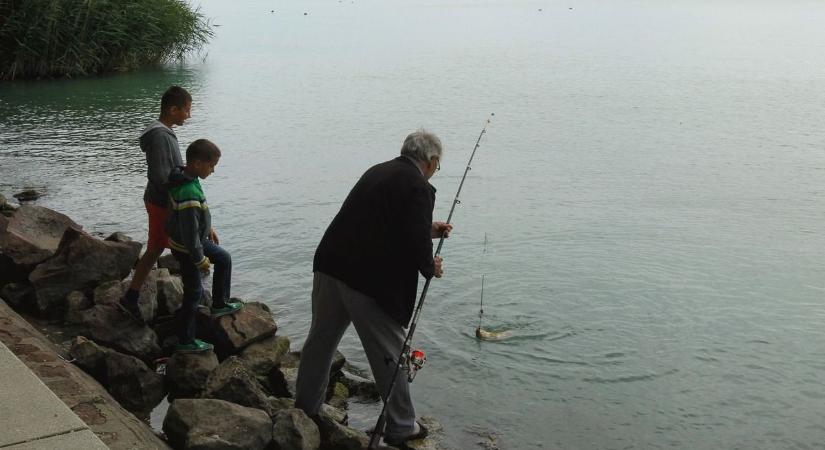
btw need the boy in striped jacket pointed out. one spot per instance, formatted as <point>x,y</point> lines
<point>188,229</point>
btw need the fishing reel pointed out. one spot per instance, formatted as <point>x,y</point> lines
<point>414,362</point>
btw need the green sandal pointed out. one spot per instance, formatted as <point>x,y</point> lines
<point>196,346</point>
<point>229,308</point>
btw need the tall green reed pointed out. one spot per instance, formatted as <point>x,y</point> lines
<point>65,38</point>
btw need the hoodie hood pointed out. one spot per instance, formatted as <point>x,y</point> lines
<point>178,177</point>
<point>156,127</point>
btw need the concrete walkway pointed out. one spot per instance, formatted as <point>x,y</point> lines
<point>33,417</point>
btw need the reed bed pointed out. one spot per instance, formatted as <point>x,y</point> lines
<point>66,38</point>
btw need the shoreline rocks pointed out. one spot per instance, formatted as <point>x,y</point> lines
<point>239,396</point>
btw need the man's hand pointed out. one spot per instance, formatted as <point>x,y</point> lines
<point>214,236</point>
<point>438,270</point>
<point>440,228</point>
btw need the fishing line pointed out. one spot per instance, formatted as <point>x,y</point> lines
<point>481,302</point>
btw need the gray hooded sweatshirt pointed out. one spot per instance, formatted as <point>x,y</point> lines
<point>162,155</point>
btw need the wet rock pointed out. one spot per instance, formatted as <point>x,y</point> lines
<point>233,382</point>
<point>431,442</point>
<point>338,361</point>
<point>81,262</point>
<point>187,373</point>
<point>108,325</point>
<point>359,385</point>
<point>293,430</point>
<point>29,195</point>
<point>209,424</point>
<point>332,413</point>
<point>169,263</point>
<point>262,356</point>
<point>18,295</point>
<point>234,332</point>
<point>6,208</point>
<point>170,292</point>
<point>336,436</point>
<point>76,303</point>
<point>128,379</point>
<point>337,395</point>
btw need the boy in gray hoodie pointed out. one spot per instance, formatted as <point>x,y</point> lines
<point>188,229</point>
<point>160,144</point>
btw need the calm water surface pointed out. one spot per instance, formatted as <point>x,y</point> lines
<point>651,189</point>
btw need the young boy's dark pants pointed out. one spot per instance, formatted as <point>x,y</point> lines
<point>193,287</point>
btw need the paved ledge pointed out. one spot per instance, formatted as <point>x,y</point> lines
<point>85,398</point>
<point>32,416</point>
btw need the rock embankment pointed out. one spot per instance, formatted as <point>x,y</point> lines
<point>237,397</point>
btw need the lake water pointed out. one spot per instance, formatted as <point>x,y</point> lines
<point>651,190</point>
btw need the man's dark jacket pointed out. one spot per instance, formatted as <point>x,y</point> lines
<point>380,239</point>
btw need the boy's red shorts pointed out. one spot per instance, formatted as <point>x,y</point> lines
<point>157,223</point>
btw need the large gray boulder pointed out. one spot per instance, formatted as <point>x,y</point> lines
<point>233,382</point>
<point>293,430</point>
<point>260,357</point>
<point>33,234</point>
<point>234,332</point>
<point>187,373</point>
<point>108,325</point>
<point>209,424</point>
<point>128,379</point>
<point>81,262</point>
<point>170,292</point>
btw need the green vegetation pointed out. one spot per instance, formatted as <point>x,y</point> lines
<point>64,38</point>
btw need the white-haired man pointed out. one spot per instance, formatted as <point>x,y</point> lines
<point>366,273</point>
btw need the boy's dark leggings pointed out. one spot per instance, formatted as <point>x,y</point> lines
<point>193,287</point>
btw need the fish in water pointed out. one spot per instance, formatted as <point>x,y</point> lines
<point>486,335</point>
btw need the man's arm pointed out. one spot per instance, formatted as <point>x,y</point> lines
<point>417,222</point>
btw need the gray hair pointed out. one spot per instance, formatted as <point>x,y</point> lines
<point>421,145</point>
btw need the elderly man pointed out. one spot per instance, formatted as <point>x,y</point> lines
<point>366,273</point>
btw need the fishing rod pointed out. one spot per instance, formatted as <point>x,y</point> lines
<point>418,357</point>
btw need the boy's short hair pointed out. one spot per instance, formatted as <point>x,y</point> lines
<point>202,150</point>
<point>174,96</point>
